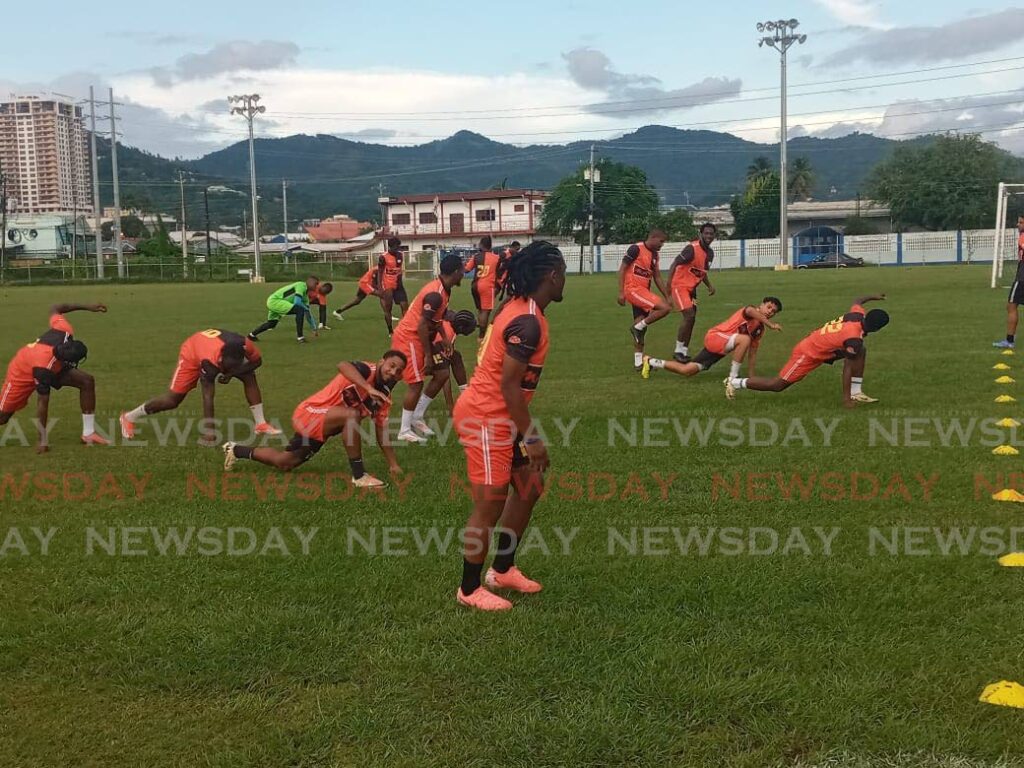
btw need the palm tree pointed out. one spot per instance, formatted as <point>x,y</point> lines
<point>801,178</point>
<point>760,167</point>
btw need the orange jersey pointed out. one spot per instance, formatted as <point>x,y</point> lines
<point>317,297</point>
<point>390,265</point>
<point>739,323</point>
<point>829,340</point>
<point>641,264</point>
<point>486,265</point>
<point>342,392</point>
<point>520,331</point>
<point>33,359</point>
<point>432,302</point>
<point>208,346</point>
<point>691,266</point>
<point>503,266</point>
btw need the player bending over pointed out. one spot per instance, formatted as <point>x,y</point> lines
<point>51,362</point>
<point>639,266</point>
<point>739,336</point>
<point>841,339</point>
<point>207,357</point>
<point>487,264</point>
<point>367,287</point>
<point>291,299</point>
<point>688,271</point>
<point>318,298</point>
<point>414,337</point>
<point>505,455</point>
<point>461,323</point>
<point>1016,298</point>
<point>360,390</point>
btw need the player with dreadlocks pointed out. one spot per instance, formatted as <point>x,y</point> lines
<point>493,422</point>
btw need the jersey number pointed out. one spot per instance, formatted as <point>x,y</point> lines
<point>211,333</point>
<point>832,327</point>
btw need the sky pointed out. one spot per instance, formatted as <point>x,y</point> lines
<point>529,72</point>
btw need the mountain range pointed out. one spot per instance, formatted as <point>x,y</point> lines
<point>328,175</point>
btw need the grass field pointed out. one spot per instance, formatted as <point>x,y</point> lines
<point>341,657</point>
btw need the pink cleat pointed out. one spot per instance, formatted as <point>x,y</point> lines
<point>483,600</point>
<point>94,439</point>
<point>127,428</point>
<point>514,579</point>
<point>267,429</point>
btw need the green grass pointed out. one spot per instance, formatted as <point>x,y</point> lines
<point>349,659</point>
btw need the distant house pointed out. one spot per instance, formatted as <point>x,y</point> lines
<point>197,239</point>
<point>334,229</point>
<point>459,218</point>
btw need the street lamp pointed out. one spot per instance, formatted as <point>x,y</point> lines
<point>249,108</point>
<point>782,36</point>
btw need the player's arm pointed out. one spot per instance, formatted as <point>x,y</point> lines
<point>44,381</point>
<point>379,279</point>
<point>352,372</point>
<point>658,281</point>
<point>871,297</point>
<point>63,309</point>
<point>522,337</point>
<point>381,429</point>
<point>631,255</point>
<point>707,282</point>
<point>753,313</point>
<point>426,328</point>
<point>206,386</point>
<point>752,359</point>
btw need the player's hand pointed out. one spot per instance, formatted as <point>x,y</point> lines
<point>378,396</point>
<point>537,453</point>
<point>42,448</point>
<point>622,299</point>
<point>711,290</point>
<point>224,378</point>
<point>99,307</point>
<point>774,326</point>
<point>395,470</point>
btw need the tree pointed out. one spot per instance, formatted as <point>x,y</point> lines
<point>678,225</point>
<point>858,225</point>
<point>800,179</point>
<point>756,212</point>
<point>624,203</point>
<point>947,184</point>
<point>160,244</point>
<point>761,166</point>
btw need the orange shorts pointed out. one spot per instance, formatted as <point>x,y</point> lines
<point>800,363</point>
<point>493,448</point>
<point>413,351</point>
<point>641,298</point>
<point>309,422</point>
<point>684,296</point>
<point>719,343</point>
<point>365,288</point>
<point>15,393</point>
<point>483,296</point>
<point>186,375</point>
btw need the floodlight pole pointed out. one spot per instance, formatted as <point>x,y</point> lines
<point>249,109</point>
<point>782,37</point>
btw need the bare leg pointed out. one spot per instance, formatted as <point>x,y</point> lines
<point>253,396</point>
<point>168,401</point>
<point>355,302</point>
<point>1012,316</point>
<point>488,504</point>
<point>387,303</point>
<point>685,332</point>
<point>86,386</point>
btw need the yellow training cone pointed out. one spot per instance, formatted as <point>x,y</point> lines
<point>1012,560</point>
<point>1005,380</point>
<point>1008,495</point>
<point>1008,352</point>
<point>1000,367</point>
<point>1008,422</point>
<point>1004,694</point>
<point>1005,450</point>
<point>1006,399</point>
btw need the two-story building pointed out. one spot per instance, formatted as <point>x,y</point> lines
<point>426,222</point>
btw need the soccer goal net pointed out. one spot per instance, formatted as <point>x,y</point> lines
<point>1004,247</point>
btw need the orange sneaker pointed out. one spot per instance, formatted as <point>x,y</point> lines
<point>127,428</point>
<point>94,439</point>
<point>483,600</point>
<point>513,578</point>
<point>267,429</point>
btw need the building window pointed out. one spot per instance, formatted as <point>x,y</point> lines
<point>428,217</point>
<point>519,208</point>
<point>398,219</point>
<point>487,214</point>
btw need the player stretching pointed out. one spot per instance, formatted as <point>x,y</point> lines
<point>367,287</point>
<point>639,266</point>
<point>51,362</point>
<point>207,357</point>
<point>494,425</point>
<point>389,278</point>
<point>360,390</point>
<point>739,335</point>
<point>1016,298</point>
<point>291,299</point>
<point>688,271</point>
<point>461,323</point>
<point>841,339</point>
<point>486,263</point>
<point>318,298</point>
<point>415,338</point>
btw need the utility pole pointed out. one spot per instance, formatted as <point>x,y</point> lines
<point>284,201</point>
<point>206,207</point>
<point>97,210</point>
<point>782,38</point>
<point>590,210</point>
<point>118,247</point>
<point>380,199</point>
<point>249,109</point>
<point>184,227</point>
<point>3,224</point>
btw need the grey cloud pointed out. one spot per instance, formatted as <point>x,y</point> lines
<point>368,134</point>
<point>228,57</point>
<point>924,45</point>
<point>627,94</point>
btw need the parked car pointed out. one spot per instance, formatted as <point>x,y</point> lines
<point>832,261</point>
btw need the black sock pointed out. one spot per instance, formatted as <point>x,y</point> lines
<point>298,325</point>
<point>1009,337</point>
<point>507,545</point>
<point>243,452</point>
<point>265,327</point>
<point>358,470</point>
<point>471,576</point>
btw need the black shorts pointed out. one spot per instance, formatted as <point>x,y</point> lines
<point>306,447</point>
<point>706,359</point>
<point>400,295</point>
<point>442,361</point>
<point>1017,289</point>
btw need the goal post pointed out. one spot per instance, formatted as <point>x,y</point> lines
<point>1005,192</point>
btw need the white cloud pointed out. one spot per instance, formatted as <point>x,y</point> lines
<point>856,13</point>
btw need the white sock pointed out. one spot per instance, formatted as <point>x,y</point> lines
<point>734,370</point>
<point>462,387</point>
<point>656,362</point>
<point>855,385</point>
<point>257,413</point>
<point>421,407</point>
<point>88,424</point>
<point>135,414</point>
<point>681,348</point>
<point>739,383</point>
<point>641,325</point>
<point>406,421</point>
<point>638,358</point>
